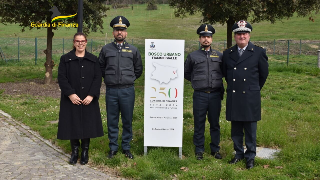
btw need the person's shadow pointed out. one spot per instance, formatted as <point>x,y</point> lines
<point>55,12</point>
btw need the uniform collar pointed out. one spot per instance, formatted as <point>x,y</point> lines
<point>243,48</point>
<point>72,56</point>
<point>123,43</point>
<point>202,49</point>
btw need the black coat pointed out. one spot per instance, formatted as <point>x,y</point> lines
<point>245,77</point>
<point>82,78</point>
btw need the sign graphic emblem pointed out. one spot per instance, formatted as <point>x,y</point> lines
<point>56,15</point>
<point>152,45</point>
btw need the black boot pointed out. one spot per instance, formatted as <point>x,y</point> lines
<point>85,150</point>
<point>75,151</point>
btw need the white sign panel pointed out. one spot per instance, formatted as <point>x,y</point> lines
<point>163,97</point>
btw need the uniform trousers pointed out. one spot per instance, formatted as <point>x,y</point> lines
<point>206,104</point>
<point>119,101</point>
<point>249,129</point>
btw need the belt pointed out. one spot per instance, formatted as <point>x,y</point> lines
<point>208,92</point>
<point>119,86</point>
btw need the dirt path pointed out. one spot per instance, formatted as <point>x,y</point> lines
<point>35,87</point>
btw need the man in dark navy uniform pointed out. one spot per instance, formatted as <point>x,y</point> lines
<point>245,67</point>
<point>203,69</point>
<point>120,65</point>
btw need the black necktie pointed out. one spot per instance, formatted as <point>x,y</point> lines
<point>119,46</point>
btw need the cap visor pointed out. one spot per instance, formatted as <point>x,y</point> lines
<point>117,28</point>
<point>241,32</point>
<point>205,34</point>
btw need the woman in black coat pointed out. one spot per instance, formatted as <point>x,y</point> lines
<point>79,78</point>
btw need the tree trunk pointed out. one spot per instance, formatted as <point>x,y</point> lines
<point>49,64</point>
<point>230,23</point>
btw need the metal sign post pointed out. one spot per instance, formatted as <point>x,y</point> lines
<point>80,15</point>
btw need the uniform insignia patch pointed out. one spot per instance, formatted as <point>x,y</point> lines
<point>242,24</point>
<point>214,53</point>
<point>126,50</point>
<point>120,20</point>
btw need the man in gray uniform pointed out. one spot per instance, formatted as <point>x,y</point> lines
<point>203,69</point>
<point>245,67</point>
<point>120,65</point>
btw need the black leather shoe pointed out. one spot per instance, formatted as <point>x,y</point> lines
<point>199,155</point>
<point>250,164</point>
<point>216,155</point>
<point>235,160</point>
<point>128,154</point>
<point>112,154</point>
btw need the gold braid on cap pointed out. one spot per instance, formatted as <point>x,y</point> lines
<point>120,24</point>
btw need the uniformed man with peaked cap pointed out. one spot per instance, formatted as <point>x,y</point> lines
<point>245,67</point>
<point>203,69</point>
<point>120,65</point>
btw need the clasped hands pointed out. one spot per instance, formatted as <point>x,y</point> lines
<point>76,100</point>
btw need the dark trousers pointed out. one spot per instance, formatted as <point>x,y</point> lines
<point>249,129</point>
<point>119,101</point>
<point>203,104</point>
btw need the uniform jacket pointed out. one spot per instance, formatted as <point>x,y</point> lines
<point>82,78</point>
<point>245,77</point>
<point>204,70</point>
<point>120,66</point>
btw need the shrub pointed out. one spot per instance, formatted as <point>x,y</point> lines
<point>152,5</point>
<point>118,6</point>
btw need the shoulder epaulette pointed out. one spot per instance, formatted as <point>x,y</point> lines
<point>259,46</point>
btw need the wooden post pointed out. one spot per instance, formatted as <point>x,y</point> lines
<point>18,49</point>
<point>300,47</point>
<point>106,39</point>
<point>288,52</point>
<point>274,46</point>
<point>35,51</point>
<point>319,59</point>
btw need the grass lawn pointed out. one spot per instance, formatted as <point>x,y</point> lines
<point>290,113</point>
<point>290,107</point>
